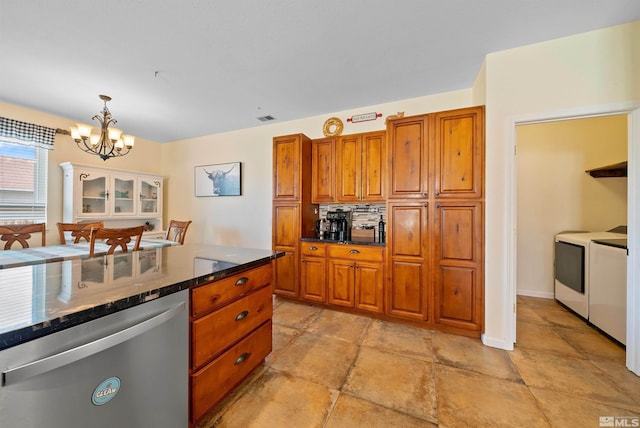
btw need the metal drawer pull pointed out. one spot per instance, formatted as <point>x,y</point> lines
<point>354,251</point>
<point>242,315</point>
<point>241,359</point>
<point>242,281</point>
<point>312,248</point>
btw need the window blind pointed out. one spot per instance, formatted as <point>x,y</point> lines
<point>24,149</point>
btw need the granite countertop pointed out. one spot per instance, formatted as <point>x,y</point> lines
<point>331,241</point>
<point>41,299</point>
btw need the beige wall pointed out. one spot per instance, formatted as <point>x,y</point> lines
<point>554,193</point>
<point>146,156</point>
<point>246,220</point>
<point>584,70</point>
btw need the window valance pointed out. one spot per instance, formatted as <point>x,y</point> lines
<point>14,131</point>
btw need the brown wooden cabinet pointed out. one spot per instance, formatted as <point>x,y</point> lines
<point>231,334</point>
<point>459,153</point>
<point>356,277</point>
<point>287,177</point>
<point>408,246</point>
<point>294,215</point>
<point>458,264</point>
<point>313,272</point>
<point>409,157</point>
<point>323,165</point>
<point>435,219</point>
<point>360,167</point>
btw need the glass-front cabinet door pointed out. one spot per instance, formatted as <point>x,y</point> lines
<point>124,201</point>
<point>150,195</point>
<point>94,194</point>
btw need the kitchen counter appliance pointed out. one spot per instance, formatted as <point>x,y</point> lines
<point>339,225</point>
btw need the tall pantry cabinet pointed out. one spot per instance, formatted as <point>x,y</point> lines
<point>294,215</point>
<point>435,219</point>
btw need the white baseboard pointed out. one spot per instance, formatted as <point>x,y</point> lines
<point>536,293</point>
<point>496,343</point>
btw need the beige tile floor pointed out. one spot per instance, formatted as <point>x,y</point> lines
<point>330,369</point>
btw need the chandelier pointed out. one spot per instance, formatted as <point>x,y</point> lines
<point>109,142</point>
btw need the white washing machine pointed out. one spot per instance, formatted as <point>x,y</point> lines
<point>572,268</point>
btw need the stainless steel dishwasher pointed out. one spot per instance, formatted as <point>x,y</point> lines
<point>127,369</point>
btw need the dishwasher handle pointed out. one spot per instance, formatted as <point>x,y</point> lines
<point>18,374</point>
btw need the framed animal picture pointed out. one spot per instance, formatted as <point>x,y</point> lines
<point>223,179</point>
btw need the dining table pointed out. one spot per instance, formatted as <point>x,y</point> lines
<point>70,251</point>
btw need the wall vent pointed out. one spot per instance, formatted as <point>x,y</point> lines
<point>266,118</point>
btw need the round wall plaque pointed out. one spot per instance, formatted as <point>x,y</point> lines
<point>332,127</point>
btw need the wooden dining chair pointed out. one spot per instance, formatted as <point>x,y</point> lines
<point>78,231</point>
<point>21,233</point>
<point>177,230</point>
<point>116,237</point>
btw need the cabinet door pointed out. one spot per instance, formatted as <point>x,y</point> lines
<point>313,283</point>
<point>373,167</point>
<point>286,274</point>
<point>286,225</point>
<point>369,289</point>
<point>408,153</point>
<point>123,195</point>
<point>458,272</point>
<point>92,194</point>
<point>323,171</point>
<point>348,161</point>
<point>459,144</point>
<point>407,290</point>
<point>150,194</point>
<point>286,167</point>
<point>341,283</point>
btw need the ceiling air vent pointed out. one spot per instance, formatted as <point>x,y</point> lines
<point>266,118</point>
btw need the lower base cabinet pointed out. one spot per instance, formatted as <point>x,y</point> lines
<point>214,381</point>
<point>356,277</point>
<point>230,334</point>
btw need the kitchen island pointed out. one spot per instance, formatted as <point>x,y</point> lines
<point>51,310</point>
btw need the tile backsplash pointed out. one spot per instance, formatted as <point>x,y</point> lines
<point>363,215</point>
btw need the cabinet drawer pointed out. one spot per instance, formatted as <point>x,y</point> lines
<point>217,379</point>
<point>213,333</point>
<point>210,296</point>
<point>356,252</point>
<point>313,249</point>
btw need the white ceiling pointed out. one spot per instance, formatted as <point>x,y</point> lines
<point>186,68</point>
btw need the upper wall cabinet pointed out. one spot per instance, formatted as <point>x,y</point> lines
<point>459,146</point>
<point>110,195</point>
<point>409,154</point>
<point>360,167</point>
<point>287,158</point>
<point>438,155</point>
<point>323,166</point>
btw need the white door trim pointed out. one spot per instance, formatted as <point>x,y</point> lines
<point>632,109</point>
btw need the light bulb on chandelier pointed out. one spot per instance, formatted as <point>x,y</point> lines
<point>109,143</point>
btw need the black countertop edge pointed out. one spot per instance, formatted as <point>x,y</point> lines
<point>34,331</point>
<point>205,279</point>
<point>330,241</point>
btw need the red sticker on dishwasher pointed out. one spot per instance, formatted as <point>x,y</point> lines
<point>106,391</point>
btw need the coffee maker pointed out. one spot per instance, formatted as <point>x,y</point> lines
<point>339,225</point>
